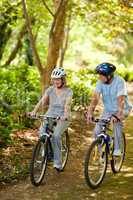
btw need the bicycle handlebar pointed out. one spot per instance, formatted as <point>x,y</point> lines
<point>42,117</point>
<point>45,117</point>
<point>106,121</point>
<point>102,120</point>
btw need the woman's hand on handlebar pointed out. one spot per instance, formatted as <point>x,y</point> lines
<point>31,114</point>
<point>63,118</point>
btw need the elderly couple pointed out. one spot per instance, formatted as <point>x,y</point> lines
<point>58,97</point>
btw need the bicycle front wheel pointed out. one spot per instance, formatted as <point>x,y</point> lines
<point>117,161</point>
<point>95,163</point>
<point>38,162</point>
<point>65,146</point>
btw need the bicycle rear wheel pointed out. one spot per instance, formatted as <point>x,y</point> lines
<point>65,146</point>
<point>95,163</point>
<point>39,162</point>
<point>117,161</point>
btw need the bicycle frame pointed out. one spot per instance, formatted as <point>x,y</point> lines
<point>106,140</point>
<point>103,134</point>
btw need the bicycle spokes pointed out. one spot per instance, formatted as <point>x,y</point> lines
<point>38,163</point>
<point>95,164</point>
<point>64,149</point>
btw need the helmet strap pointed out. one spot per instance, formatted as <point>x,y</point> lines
<point>62,83</point>
<point>109,78</point>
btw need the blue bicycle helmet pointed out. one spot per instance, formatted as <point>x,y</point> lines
<point>105,69</point>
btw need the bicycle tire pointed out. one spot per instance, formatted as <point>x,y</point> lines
<point>65,148</point>
<point>117,161</point>
<point>38,162</point>
<point>93,175</point>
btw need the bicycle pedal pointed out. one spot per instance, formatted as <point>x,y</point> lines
<point>39,162</point>
<point>42,138</point>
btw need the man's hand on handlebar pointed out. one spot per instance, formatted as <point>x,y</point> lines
<point>89,117</point>
<point>116,118</point>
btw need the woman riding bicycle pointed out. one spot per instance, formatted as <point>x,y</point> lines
<point>58,97</point>
<point>114,95</point>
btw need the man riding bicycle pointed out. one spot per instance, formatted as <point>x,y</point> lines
<point>114,96</point>
<point>59,98</point>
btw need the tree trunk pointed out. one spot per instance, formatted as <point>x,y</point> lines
<point>55,39</point>
<point>32,41</point>
<point>5,33</point>
<point>8,15</point>
<point>65,42</point>
<point>17,46</point>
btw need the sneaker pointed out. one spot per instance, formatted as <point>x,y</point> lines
<point>58,169</point>
<point>117,152</point>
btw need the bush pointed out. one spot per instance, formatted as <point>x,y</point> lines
<point>82,84</point>
<point>126,72</point>
<point>19,92</point>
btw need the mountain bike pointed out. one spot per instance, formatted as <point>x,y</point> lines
<point>43,152</point>
<point>100,151</point>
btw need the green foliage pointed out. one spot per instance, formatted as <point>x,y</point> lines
<point>95,31</point>
<point>82,84</point>
<point>9,15</point>
<point>19,92</point>
<point>109,17</point>
<point>126,72</point>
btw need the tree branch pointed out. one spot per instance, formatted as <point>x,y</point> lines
<point>17,46</point>
<point>46,6</point>
<point>55,17</point>
<point>65,42</point>
<point>32,41</point>
<point>5,105</point>
<point>128,3</point>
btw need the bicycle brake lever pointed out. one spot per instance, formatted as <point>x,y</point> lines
<point>116,118</point>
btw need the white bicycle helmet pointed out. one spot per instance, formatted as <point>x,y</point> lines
<point>58,73</point>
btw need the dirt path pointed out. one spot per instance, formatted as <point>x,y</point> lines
<point>70,184</point>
